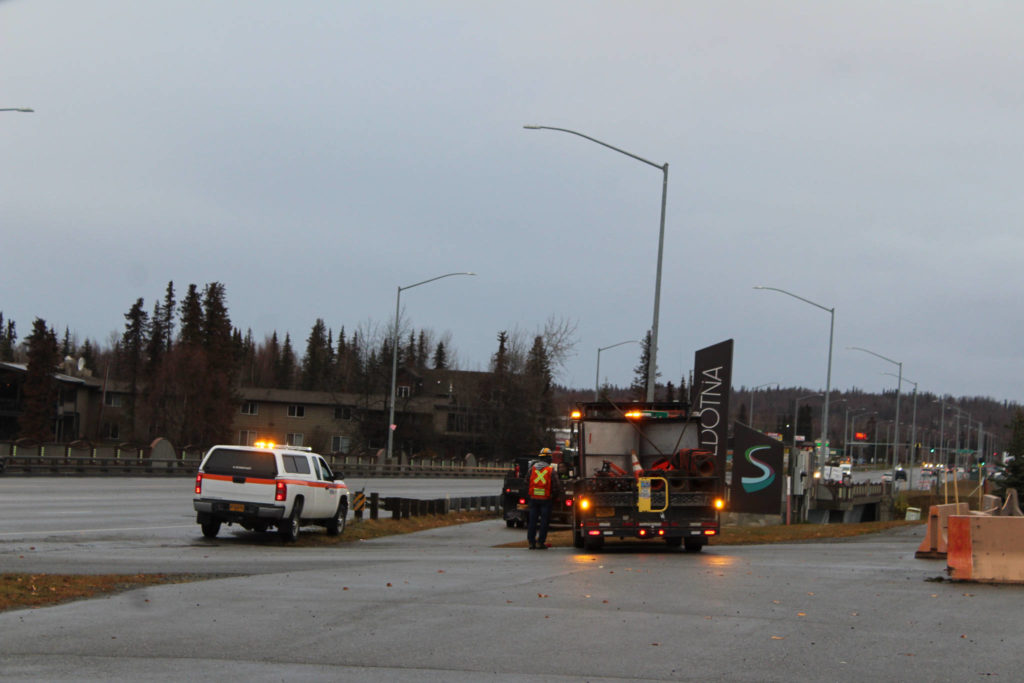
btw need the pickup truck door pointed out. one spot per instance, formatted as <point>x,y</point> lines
<point>327,494</point>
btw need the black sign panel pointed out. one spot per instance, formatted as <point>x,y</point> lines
<point>757,473</point>
<point>712,379</point>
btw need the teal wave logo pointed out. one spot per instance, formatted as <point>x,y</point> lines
<point>755,484</point>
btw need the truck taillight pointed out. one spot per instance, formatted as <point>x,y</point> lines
<point>199,483</point>
<point>710,532</point>
<point>568,502</point>
<point>522,501</point>
<point>281,493</point>
<point>719,503</point>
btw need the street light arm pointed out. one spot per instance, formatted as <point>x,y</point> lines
<point>26,110</point>
<point>663,167</point>
<point>402,289</point>
<point>877,355</point>
<point>795,296</point>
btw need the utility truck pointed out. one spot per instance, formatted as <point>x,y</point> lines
<point>641,474</point>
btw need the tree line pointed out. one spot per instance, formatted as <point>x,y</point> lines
<point>181,364</point>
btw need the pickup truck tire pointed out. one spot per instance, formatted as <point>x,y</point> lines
<point>336,524</point>
<point>577,539</point>
<point>593,543</point>
<point>210,529</point>
<point>510,523</point>
<point>289,528</point>
<point>693,546</point>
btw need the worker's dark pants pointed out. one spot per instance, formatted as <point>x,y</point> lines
<point>540,515</point>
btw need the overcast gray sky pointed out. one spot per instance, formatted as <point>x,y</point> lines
<point>313,156</point>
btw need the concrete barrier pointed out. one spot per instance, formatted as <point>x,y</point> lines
<point>934,544</point>
<point>985,548</point>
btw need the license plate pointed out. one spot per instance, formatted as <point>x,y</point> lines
<point>604,512</point>
<point>522,507</point>
<point>236,507</point>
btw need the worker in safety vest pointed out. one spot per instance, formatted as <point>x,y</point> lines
<point>542,485</point>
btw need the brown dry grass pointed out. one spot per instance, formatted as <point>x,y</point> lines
<point>20,591</point>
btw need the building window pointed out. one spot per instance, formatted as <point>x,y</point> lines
<point>294,438</point>
<point>402,391</point>
<point>295,410</point>
<point>342,413</point>
<point>111,430</point>
<point>340,444</point>
<point>112,400</point>
<point>246,437</point>
<point>250,408</point>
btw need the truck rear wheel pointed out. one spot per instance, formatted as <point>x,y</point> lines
<point>211,528</point>
<point>335,525</point>
<point>289,528</point>
<point>593,543</point>
<point>693,545</point>
<point>577,538</point>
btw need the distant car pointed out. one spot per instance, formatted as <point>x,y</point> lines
<point>886,477</point>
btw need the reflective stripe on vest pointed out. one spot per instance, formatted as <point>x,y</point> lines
<point>540,482</point>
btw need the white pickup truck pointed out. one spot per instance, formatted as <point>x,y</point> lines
<point>263,486</point>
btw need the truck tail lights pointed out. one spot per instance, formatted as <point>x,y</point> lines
<point>281,491</point>
<point>199,483</point>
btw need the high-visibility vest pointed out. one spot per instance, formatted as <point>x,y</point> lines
<point>540,481</point>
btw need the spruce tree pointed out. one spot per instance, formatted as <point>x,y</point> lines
<point>40,389</point>
<point>1012,473</point>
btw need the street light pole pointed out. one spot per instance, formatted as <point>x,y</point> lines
<point>913,430</point>
<point>899,387</point>
<point>394,355</point>
<point>652,367</point>
<point>828,376</point>
<point>597,373</point>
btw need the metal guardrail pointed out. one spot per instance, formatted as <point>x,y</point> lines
<point>64,465</point>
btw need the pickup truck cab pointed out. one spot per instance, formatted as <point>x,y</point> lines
<point>263,486</point>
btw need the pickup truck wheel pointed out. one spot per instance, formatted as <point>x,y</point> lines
<point>210,529</point>
<point>510,523</point>
<point>577,539</point>
<point>289,528</point>
<point>693,546</point>
<point>593,543</point>
<point>336,524</point>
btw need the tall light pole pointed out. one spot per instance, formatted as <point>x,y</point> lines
<point>394,355</point>
<point>597,373</point>
<point>899,387</point>
<point>652,367</point>
<point>913,430</point>
<point>828,375</point>
<point>759,386</point>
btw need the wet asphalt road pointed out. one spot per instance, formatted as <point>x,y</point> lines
<point>453,604</point>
